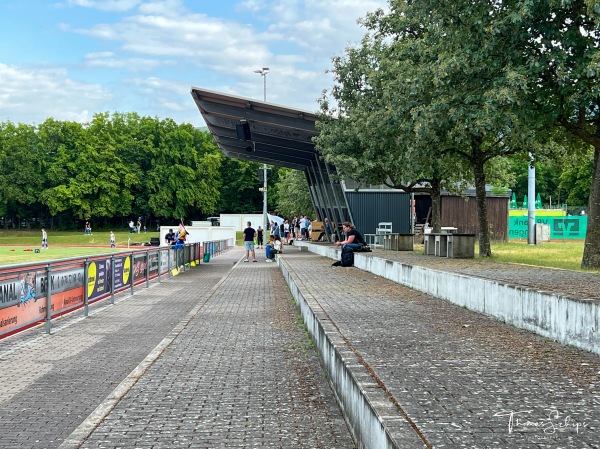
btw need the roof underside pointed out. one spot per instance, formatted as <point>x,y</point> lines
<point>279,136</point>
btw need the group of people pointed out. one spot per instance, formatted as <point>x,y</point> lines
<point>175,238</point>
<point>298,228</point>
<point>135,227</point>
<point>354,240</point>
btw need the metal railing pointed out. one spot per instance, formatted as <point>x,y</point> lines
<point>35,293</point>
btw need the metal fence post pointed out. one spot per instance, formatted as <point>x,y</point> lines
<point>86,284</point>
<point>132,273</point>
<point>169,263</point>
<point>112,279</point>
<point>147,268</point>
<point>158,263</point>
<point>48,297</point>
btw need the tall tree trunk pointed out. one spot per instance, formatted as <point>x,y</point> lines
<point>485,249</point>
<point>436,205</point>
<point>591,251</point>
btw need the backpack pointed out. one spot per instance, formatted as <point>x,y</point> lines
<point>347,259</point>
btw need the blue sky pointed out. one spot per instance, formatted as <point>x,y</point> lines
<point>69,59</point>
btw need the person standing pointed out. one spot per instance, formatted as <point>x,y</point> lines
<point>303,227</point>
<point>259,237</point>
<point>296,226</point>
<point>286,232</point>
<point>249,234</point>
<point>112,239</point>
<point>44,239</point>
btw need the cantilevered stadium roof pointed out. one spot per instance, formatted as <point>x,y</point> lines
<point>274,135</point>
<point>278,135</point>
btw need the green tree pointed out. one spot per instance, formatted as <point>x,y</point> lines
<point>86,176</point>
<point>21,172</point>
<point>575,178</point>
<point>369,136</point>
<point>440,96</point>
<point>240,184</point>
<point>557,48</point>
<point>293,197</point>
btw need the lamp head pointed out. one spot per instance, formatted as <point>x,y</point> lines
<point>262,71</point>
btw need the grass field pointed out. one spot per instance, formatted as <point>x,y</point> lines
<point>19,246</point>
<point>565,255</point>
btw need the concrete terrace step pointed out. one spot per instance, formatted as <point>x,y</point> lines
<point>412,370</point>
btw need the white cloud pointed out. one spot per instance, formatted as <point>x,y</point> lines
<point>179,47</point>
<point>106,5</point>
<point>251,5</point>
<point>36,94</point>
<point>109,60</point>
<point>163,7</point>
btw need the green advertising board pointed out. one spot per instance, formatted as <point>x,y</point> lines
<point>561,228</point>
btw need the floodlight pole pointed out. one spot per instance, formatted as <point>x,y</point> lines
<point>263,72</point>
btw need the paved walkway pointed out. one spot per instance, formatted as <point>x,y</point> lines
<point>212,358</point>
<point>216,357</point>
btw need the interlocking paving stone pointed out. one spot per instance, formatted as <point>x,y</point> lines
<point>239,373</point>
<point>455,371</point>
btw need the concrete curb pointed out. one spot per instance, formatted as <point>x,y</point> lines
<point>364,400</point>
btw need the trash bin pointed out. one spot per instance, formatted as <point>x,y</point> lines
<point>206,258</point>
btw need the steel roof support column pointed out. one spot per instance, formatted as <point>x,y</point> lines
<point>328,205</point>
<point>337,190</point>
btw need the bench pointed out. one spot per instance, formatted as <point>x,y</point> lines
<point>461,246</point>
<point>453,246</point>
<point>398,242</point>
<point>429,244</point>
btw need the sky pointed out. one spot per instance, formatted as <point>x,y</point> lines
<point>70,59</point>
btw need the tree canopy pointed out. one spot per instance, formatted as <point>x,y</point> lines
<point>118,167</point>
<point>438,87</point>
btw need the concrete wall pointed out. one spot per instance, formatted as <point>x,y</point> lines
<point>567,320</point>
<point>201,234</point>
<point>238,221</point>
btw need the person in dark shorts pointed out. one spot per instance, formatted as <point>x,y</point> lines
<point>259,237</point>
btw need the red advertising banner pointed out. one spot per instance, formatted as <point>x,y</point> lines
<point>23,296</point>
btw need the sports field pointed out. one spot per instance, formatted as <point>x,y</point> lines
<point>19,246</point>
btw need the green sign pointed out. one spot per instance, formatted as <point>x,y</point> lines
<point>561,228</point>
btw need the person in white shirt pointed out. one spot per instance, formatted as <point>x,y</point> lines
<point>302,227</point>
<point>286,232</point>
<point>44,239</point>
